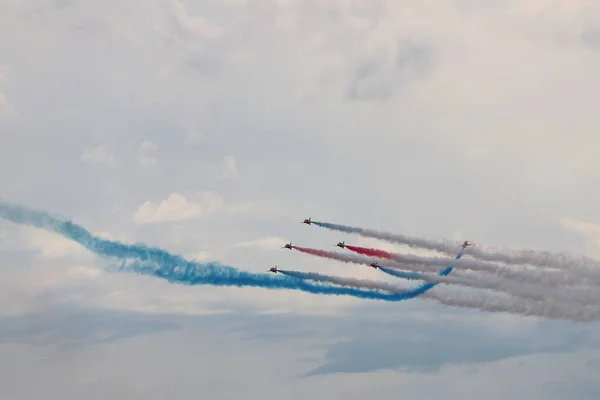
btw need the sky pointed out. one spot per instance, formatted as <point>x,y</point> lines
<point>211,128</point>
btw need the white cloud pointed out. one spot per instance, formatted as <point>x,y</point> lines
<point>361,111</point>
<point>146,154</point>
<point>177,207</point>
<point>229,169</point>
<point>200,256</point>
<point>53,246</point>
<point>194,25</point>
<point>98,155</point>
<point>193,137</point>
<point>590,230</point>
<point>6,107</point>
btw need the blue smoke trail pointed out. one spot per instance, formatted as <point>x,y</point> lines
<point>336,227</point>
<point>400,274</point>
<point>176,269</point>
<point>415,276</point>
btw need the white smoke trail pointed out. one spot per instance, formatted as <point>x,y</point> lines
<point>344,281</point>
<point>521,274</point>
<point>533,291</point>
<point>524,273</point>
<point>548,309</point>
<point>415,242</point>
<point>534,257</point>
<point>428,264</point>
<point>568,294</point>
<point>485,253</point>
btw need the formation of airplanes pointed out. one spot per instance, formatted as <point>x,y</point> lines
<point>308,221</point>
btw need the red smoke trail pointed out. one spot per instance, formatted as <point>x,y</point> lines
<point>371,252</point>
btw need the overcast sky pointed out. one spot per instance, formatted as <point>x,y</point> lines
<point>211,128</point>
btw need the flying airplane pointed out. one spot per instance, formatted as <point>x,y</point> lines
<point>466,244</point>
<point>273,269</point>
<point>287,246</point>
<point>374,265</point>
<point>307,221</point>
<point>341,244</point>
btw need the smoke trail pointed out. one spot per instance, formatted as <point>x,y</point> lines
<point>522,274</point>
<point>534,257</point>
<point>161,264</point>
<point>429,264</point>
<point>368,284</point>
<point>364,282</point>
<point>536,291</point>
<point>442,247</point>
<point>485,253</point>
<point>545,309</point>
<point>315,252</point>
<point>555,278</point>
<point>401,274</point>
<point>334,255</point>
<point>527,291</point>
<point>351,282</point>
<point>370,252</point>
<point>349,258</point>
<point>478,281</point>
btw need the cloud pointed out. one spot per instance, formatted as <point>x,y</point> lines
<point>200,256</point>
<point>229,169</point>
<point>590,230</point>
<point>6,107</point>
<point>146,154</point>
<point>53,246</point>
<point>98,155</point>
<point>379,78</point>
<point>379,114</point>
<point>193,137</point>
<point>192,25</point>
<point>273,354</point>
<point>177,207</point>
